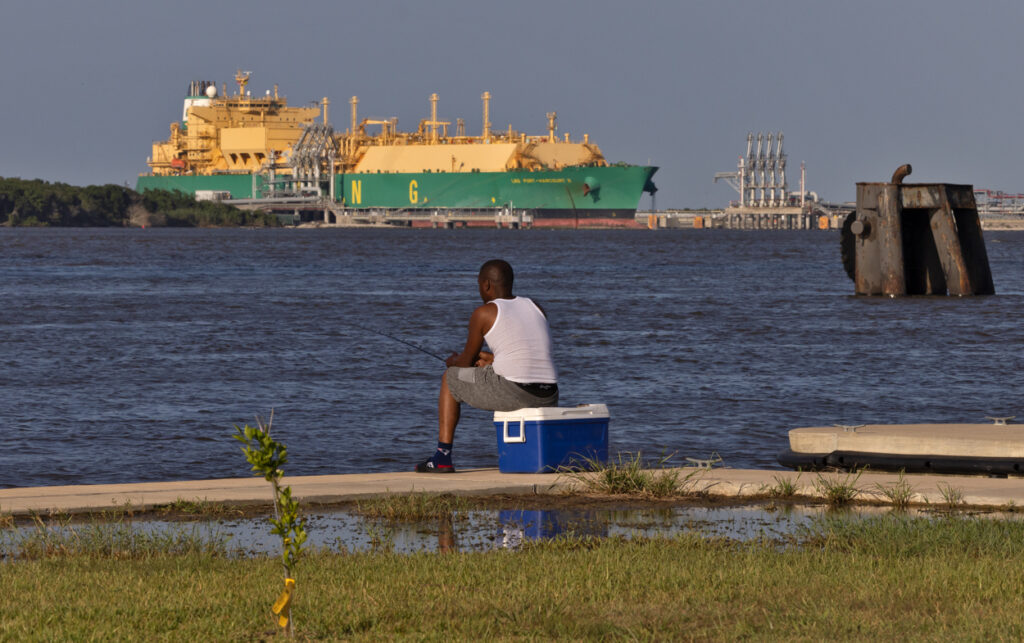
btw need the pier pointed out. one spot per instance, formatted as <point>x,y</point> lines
<point>773,219</point>
<point>447,218</point>
<point>314,208</point>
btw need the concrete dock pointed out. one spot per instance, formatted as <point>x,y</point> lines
<point>723,483</point>
<point>953,440</point>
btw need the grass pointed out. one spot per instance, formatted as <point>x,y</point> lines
<point>899,494</point>
<point>947,578</point>
<point>411,507</point>
<point>630,475</point>
<point>952,497</point>
<point>201,508</point>
<point>783,487</point>
<point>102,538</point>
<point>839,491</point>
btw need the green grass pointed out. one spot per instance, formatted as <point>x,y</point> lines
<point>59,537</point>
<point>898,494</point>
<point>630,475</point>
<point>840,491</point>
<point>783,487</point>
<point>952,497</point>
<point>201,508</point>
<point>947,578</point>
<point>411,507</point>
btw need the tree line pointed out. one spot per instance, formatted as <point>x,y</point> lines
<point>42,203</point>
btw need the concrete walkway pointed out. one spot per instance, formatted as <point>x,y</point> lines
<point>721,482</point>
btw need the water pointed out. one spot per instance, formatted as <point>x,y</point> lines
<point>479,530</point>
<point>472,530</point>
<point>127,355</point>
<point>490,529</point>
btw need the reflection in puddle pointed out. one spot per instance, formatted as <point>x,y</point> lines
<point>490,529</point>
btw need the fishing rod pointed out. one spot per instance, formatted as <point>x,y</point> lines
<point>397,339</point>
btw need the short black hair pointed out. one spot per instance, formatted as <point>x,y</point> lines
<point>498,272</point>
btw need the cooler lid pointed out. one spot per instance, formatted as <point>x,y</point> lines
<point>583,411</point>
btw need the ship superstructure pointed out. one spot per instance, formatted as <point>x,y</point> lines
<point>259,147</point>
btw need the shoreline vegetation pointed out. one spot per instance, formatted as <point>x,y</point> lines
<point>38,203</point>
<point>889,576</point>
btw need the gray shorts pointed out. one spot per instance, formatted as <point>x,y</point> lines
<point>482,388</point>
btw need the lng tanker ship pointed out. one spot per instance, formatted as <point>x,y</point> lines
<point>257,147</point>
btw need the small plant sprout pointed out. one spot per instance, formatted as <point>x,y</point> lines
<point>268,458</point>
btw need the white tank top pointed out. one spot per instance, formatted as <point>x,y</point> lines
<point>521,342</point>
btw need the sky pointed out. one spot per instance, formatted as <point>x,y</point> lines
<point>858,88</point>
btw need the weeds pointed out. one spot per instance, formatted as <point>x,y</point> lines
<point>952,497</point>
<point>57,537</point>
<point>900,494</point>
<point>838,492</point>
<point>411,507</point>
<point>199,508</point>
<point>783,487</point>
<point>382,539</point>
<point>630,476</point>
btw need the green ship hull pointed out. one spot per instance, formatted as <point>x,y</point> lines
<point>239,185</point>
<point>607,195</point>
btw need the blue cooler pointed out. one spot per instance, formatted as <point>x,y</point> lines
<point>543,439</point>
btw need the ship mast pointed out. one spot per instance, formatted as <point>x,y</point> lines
<point>242,78</point>
<point>433,118</point>
<point>486,96</point>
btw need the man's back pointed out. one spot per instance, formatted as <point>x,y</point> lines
<point>521,342</point>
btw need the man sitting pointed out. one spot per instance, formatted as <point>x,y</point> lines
<point>517,373</point>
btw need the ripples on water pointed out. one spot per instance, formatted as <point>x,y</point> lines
<point>127,355</point>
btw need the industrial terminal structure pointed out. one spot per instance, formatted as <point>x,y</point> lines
<point>765,201</point>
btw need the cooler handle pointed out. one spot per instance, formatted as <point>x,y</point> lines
<point>507,439</point>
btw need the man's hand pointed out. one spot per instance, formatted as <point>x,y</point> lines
<point>484,359</point>
<point>451,359</point>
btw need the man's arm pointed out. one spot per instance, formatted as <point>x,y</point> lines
<point>479,323</point>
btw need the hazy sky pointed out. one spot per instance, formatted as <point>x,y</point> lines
<point>858,88</point>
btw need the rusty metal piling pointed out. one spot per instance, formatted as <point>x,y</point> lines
<point>916,239</point>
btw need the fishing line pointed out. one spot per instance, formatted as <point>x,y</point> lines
<point>397,339</point>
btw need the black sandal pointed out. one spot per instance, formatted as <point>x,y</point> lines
<point>428,466</point>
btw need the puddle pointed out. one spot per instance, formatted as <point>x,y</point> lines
<point>491,529</point>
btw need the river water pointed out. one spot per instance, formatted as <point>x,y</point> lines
<point>128,354</point>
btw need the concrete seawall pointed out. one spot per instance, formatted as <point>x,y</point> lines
<point>717,483</point>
